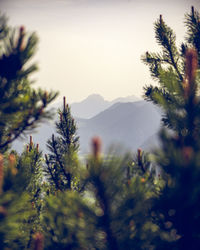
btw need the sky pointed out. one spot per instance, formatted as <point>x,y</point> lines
<point>95,46</point>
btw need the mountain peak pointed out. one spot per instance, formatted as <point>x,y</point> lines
<point>95,104</point>
<point>94,97</point>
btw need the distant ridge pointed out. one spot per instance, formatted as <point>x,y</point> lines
<point>89,107</point>
<point>94,104</point>
<point>128,124</point>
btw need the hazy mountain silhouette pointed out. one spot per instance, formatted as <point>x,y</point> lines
<point>130,124</point>
<point>95,104</point>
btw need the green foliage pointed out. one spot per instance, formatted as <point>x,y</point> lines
<point>115,201</point>
<point>111,213</point>
<point>15,206</point>
<point>69,222</point>
<point>21,106</point>
<point>30,163</point>
<point>169,65</point>
<point>193,31</point>
<point>62,163</point>
<point>176,209</point>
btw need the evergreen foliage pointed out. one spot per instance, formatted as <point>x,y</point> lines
<point>178,206</point>
<point>113,201</point>
<point>62,162</point>
<point>21,106</point>
<point>21,197</point>
<point>176,209</point>
<point>168,66</point>
<point>112,213</point>
<point>30,164</point>
<point>15,206</point>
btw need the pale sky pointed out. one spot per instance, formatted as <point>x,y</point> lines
<point>95,46</point>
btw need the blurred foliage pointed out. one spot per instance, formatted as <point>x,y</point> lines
<point>21,106</point>
<point>15,206</point>
<point>176,209</point>
<point>112,213</point>
<point>141,201</point>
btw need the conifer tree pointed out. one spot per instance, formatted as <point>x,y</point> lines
<point>176,209</point>
<point>169,63</point>
<point>21,106</point>
<point>62,162</point>
<point>21,197</point>
<point>30,164</point>
<point>15,205</point>
<point>111,213</point>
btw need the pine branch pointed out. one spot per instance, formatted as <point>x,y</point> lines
<point>105,219</point>
<point>67,175</point>
<point>51,173</point>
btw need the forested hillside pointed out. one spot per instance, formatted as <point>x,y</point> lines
<point>110,200</point>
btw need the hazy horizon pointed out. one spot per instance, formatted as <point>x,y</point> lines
<point>95,46</point>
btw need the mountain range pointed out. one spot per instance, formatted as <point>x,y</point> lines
<point>130,122</point>
<point>95,104</point>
